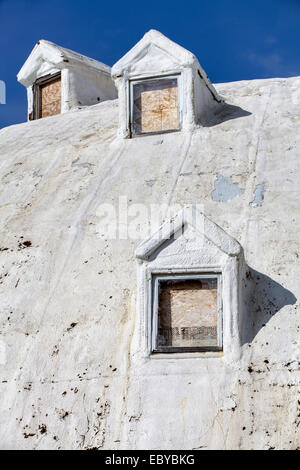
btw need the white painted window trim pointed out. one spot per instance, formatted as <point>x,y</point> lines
<point>230,274</point>
<point>145,307</point>
<point>186,97</point>
<point>155,279</point>
<point>142,79</point>
<point>65,92</point>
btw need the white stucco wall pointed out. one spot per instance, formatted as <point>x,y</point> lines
<point>71,374</point>
<point>88,87</point>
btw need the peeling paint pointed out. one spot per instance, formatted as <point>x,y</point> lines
<point>150,182</point>
<point>225,190</point>
<point>258,195</point>
<point>81,165</point>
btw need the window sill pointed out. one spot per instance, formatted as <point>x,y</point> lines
<point>156,133</point>
<point>186,355</point>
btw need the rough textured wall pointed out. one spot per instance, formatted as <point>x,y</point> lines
<point>68,294</point>
<point>87,87</point>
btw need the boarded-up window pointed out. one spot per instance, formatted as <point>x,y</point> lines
<point>48,96</point>
<point>188,314</point>
<point>154,106</point>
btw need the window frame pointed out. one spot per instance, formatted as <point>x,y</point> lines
<point>136,81</point>
<point>155,279</point>
<point>37,92</point>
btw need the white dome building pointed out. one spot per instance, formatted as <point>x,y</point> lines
<point>149,264</point>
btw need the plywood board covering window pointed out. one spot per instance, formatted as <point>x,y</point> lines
<point>48,96</point>
<point>155,106</point>
<point>188,314</point>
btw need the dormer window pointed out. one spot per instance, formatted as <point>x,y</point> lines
<point>162,88</point>
<point>154,105</point>
<point>189,297</point>
<point>47,96</point>
<point>58,80</point>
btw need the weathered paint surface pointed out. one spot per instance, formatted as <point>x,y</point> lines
<point>225,189</point>
<point>68,295</point>
<point>258,195</point>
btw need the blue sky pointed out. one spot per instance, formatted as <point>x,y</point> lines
<point>233,39</point>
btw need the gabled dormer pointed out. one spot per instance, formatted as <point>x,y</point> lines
<point>58,80</point>
<point>190,289</point>
<point>162,88</point>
